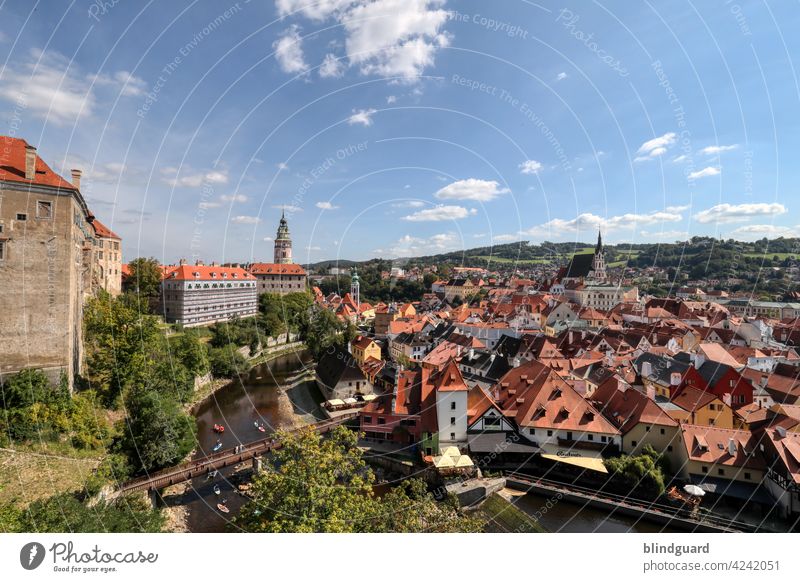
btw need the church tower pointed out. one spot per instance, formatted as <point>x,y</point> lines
<point>355,287</point>
<point>283,243</point>
<point>599,261</point>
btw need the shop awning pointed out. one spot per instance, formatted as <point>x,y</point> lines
<point>591,463</point>
<point>335,402</point>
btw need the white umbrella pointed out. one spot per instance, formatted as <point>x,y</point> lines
<point>694,490</point>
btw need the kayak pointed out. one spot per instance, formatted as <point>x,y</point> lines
<point>223,508</point>
<point>217,446</point>
<point>262,429</point>
<point>217,489</point>
<point>218,428</point>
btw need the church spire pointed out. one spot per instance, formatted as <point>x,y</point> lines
<point>599,247</point>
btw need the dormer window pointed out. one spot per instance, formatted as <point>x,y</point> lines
<point>196,275</point>
<point>213,275</point>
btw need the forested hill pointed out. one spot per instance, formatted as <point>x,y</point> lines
<point>697,257</point>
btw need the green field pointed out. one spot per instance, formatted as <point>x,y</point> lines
<point>505,261</point>
<point>781,256</point>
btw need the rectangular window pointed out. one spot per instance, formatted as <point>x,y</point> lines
<point>720,471</point>
<point>21,216</point>
<point>532,431</point>
<point>2,250</point>
<point>747,476</point>
<point>669,448</point>
<point>704,469</point>
<point>633,443</point>
<point>549,433</point>
<point>590,437</point>
<point>452,436</point>
<point>663,431</point>
<point>368,419</point>
<point>452,420</point>
<point>647,429</point>
<point>452,406</point>
<point>381,420</point>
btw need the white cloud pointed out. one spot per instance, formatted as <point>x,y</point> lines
<point>289,51</point>
<point>128,84</point>
<point>318,10</point>
<point>530,167</point>
<point>362,117</point>
<point>409,246</point>
<point>409,204</point>
<point>588,222</point>
<point>762,230</point>
<point>663,235</point>
<point>326,206</point>
<point>282,166</point>
<point>331,67</point>
<point>193,179</point>
<point>655,147</point>
<point>290,208</point>
<point>675,209</point>
<point>234,198</point>
<point>207,205</point>
<point>391,99</point>
<point>717,149</point>
<point>726,213</point>
<point>704,173</point>
<point>313,248</point>
<point>505,238</point>
<point>471,189</point>
<point>680,158</point>
<point>561,76</point>
<point>382,37</point>
<point>439,213</point>
<point>394,37</point>
<point>47,86</point>
<point>267,239</point>
<point>242,219</point>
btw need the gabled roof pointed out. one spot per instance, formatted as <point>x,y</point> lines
<point>276,269</point>
<point>628,407</point>
<point>450,379</point>
<point>336,365</point>
<point>12,166</point>
<point>709,444</point>
<point>102,231</point>
<point>207,273</point>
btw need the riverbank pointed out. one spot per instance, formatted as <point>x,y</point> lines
<point>501,515</point>
<point>207,389</point>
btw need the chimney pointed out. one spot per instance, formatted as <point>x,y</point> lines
<point>732,447</point>
<point>30,162</point>
<point>76,178</point>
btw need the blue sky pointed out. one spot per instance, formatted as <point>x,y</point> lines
<point>404,127</point>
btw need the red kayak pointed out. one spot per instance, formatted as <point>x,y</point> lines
<point>223,508</point>
<point>218,428</point>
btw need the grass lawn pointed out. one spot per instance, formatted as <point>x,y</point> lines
<point>504,260</point>
<point>769,255</point>
<point>26,476</point>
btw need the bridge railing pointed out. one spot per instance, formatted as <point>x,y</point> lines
<point>192,469</point>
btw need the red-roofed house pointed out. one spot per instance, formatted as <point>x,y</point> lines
<point>195,295</point>
<point>280,278</point>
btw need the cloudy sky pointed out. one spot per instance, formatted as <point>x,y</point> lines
<point>402,127</point>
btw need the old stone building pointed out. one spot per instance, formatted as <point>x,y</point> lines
<point>282,276</point>
<point>195,295</point>
<point>108,258</point>
<point>46,264</point>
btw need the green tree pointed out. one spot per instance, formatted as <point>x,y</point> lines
<point>66,513</point>
<point>120,339</point>
<point>227,361</point>
<point>323,330</point>
<point>316,484</point>
<point>145,277</point>
<point>191,352</point>
<point>640,474</point>
<point>157,432</point>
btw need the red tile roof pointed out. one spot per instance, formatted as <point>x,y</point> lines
<point>206,273</point>
<point>710,445</point>
<point>276,269</point>
<point>450,379</point>
<point>12,166</point>
<point>103,231</point>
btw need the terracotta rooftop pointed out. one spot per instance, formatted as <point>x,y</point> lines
<point>276,269</point>
<point>103,231</point>
<point>207,273</point>
<point>12,166</point>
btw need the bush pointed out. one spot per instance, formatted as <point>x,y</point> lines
<point>227,362</point>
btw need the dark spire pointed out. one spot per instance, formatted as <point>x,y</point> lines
<point>599,248</point>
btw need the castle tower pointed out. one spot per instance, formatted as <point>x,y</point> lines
<point>599,261</point>
<point>283,243</point>
<point>355,287</point>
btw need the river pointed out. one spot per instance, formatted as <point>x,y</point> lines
<point>237,406</point>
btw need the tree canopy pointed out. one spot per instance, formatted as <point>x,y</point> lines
<point>316,484</point>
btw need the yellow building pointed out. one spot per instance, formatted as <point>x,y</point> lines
<point>364,348</point>
<point>693,406</point>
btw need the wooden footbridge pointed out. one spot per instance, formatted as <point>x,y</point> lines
<point>222,459</point>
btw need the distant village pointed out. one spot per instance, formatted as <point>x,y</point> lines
<point>554,370</point>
